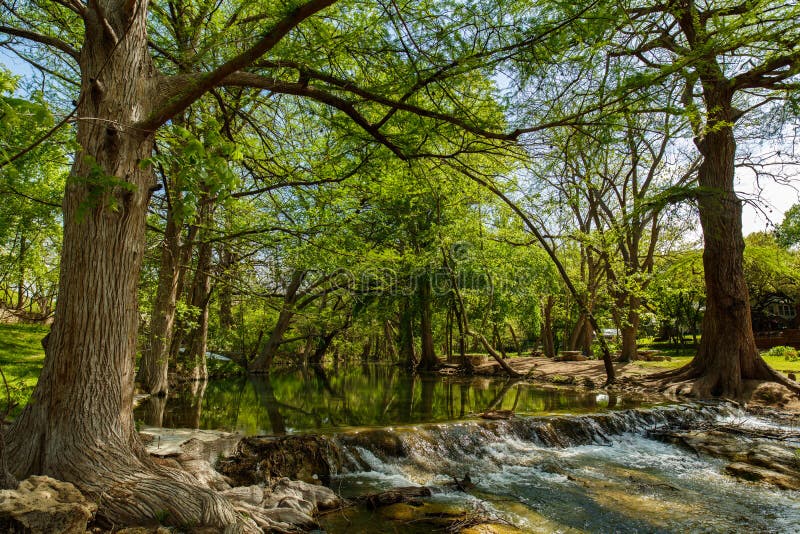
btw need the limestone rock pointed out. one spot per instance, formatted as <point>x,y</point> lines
<point>42,505</point>
<point>754,473</point>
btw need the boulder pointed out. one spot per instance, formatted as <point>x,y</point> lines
<point>42,505</point>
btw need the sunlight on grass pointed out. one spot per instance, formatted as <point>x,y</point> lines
<point>21,357</point>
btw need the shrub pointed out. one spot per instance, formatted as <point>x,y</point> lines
<point>787,353</point>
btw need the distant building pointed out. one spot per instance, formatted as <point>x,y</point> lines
<point>775,311</point>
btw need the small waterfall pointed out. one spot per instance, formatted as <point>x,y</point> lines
<point>435,446</point>
<point>584,473</point>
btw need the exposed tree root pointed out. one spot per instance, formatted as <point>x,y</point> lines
<point>132,490</point>
<point>706,383</point>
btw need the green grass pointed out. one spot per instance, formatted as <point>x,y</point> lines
<point>681,357</point>
<point>21,357</point>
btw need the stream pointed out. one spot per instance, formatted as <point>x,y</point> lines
<point>569,461</point>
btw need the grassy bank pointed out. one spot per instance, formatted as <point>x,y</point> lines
<point>21,357</point>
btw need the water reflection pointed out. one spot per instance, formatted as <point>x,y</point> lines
<point>317,399</point>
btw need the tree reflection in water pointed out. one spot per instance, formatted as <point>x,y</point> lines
<point>319,399</point>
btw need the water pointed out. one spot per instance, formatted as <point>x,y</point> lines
<point>314,400</point>
<point>601,481</point>
<point>587,467</point>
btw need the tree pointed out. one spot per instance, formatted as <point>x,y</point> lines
<point>79,425</point>
<point>788,231</point>
<point>734,58</point>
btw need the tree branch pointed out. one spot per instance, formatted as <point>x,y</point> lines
<point>42,39</point>
<point>200,84</point>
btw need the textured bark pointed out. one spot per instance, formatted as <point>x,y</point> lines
<point>630,329</point>
<point>727,354</point>
<point>407,356</point>
<point>79,424</point>
<point>548,346</point>
<point>193,362</point>
<point>227,262</point>
<point>154,365</point>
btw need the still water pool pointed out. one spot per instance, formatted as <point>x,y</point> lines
<point>323,400</point>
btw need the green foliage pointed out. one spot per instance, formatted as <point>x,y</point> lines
<point>788,231</point>
<point>789,354</point>
<point>21,358</point>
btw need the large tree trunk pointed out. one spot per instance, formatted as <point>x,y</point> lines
<point>154,365</point>
<point>727,352</point>
<point>79,424</point>
<point>428,360</point>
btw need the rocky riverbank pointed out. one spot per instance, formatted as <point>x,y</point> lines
<point>281,482</point>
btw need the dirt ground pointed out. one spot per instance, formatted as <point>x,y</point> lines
<point>631,377</point>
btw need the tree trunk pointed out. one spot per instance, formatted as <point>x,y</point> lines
<point>514,338</point>
<point>428,360</point>
<point>23,248</point>
<point>407,355</point>
<point>629,330</point>
<point>193,362</point>
<point>727,352</point>
<point>263,362</point>
<point>185,257</point>
<point>227,261</point>
<point>79,425</point>
<point>548,346</point>
<point>154,365</point>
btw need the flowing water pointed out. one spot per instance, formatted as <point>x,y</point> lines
<point>586,466</point>
<point>565,474</point>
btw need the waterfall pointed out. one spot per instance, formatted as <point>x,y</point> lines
<point>438,445</point>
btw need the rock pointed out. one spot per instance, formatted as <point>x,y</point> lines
<point>260,460</point>
<point>758,474</point>
<point>42,505</point>
<point>394,496</point>
<point>491,528</point>
<point>386,443</point>
<point>792,376</point>
<point>753,459</point>
<point>494,415</point>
